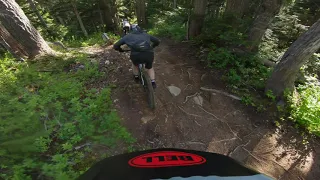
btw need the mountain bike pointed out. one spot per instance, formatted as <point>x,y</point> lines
<point>145,81</point>
<point>147,85</point>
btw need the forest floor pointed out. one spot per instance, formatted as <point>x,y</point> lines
<point>202,120</point>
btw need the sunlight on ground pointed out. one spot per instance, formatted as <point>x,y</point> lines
<point>276,159</point>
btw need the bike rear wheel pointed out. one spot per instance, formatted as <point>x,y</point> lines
<point>150,91</point>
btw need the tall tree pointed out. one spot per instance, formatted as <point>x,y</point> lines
<point>36,11</point>
<point>174,4</point>
<point>267,12</point>
<point>14,48</point>
<point>141,12</point>
<point>18,25</point>
<point>109,13</point>
<point>284,74</point>
<point>75,9</point>
<point>197,18</point>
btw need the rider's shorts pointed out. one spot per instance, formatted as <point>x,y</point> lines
<point>143,58</point>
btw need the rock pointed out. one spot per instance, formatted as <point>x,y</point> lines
<point>107,62</point>
<point>81,67</point>
<point>94,61</point>
<point>198,100</point>
<point>175,91</point>
<point>146,119</point>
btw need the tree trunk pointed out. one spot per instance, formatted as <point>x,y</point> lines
<point>285,73</point>
<point>237,7</point>
<point>197,19</point>
<point>6,46</point>
<point>101,18</point>
<point>174,4</point>
<point>35,10</point>
<point>79,19</point>
<point>269,9</point>
<point>16,22</point>
<point>109,13</point>
<point>14,47</point>
<point>141,12</point>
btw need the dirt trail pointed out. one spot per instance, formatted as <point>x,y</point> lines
<point>221,124</point>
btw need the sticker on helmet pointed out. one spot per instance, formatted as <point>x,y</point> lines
<point>166,159</point>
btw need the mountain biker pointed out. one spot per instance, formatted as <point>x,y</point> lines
<point>141,45</point>
<point>125,26</point>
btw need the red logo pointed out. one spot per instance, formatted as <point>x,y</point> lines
<point>166,159</point>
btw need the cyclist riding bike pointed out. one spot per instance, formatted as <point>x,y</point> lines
<point>141,45</point>
<point>125,26</point>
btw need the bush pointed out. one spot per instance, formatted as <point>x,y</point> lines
<point>305,108</point>
<point>47,111</point>
<point>222,32</point>
<point>171,25</point>
<point>240,71</point>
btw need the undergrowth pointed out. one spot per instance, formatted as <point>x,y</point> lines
<point>171,25</point>
<point>305,107</point>
<point>94,39</point>
<point>226,51</point>
<point>50,122</point>
<point>246,75</point>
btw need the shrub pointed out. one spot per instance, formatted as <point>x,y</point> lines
<point>241,71</point>
<point>171,25</point>
<point>47,113</point>
<point>305,107</point>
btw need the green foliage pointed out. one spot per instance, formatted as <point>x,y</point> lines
<point>171,25</point>
<point>305,107</point>
<point>247,100</point>
<point>94,39</point>
<point>270,95</point>
<point>226,48</point>
<point>312,67</point>
<point>283,32</point>
<point>241,71</point>
<point>47,111</point>
<point>222,32</point>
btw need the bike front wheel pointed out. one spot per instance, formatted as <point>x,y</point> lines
<point>150,91</point>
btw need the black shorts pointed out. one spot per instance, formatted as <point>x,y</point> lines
<point>143,58</point>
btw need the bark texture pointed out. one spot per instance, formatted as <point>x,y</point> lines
<point>18,26</point>
<point>285,73</point>
<point>197,19</point>
<point>268,10</point>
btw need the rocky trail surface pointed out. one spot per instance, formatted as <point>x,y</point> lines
<point>194,110</point>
